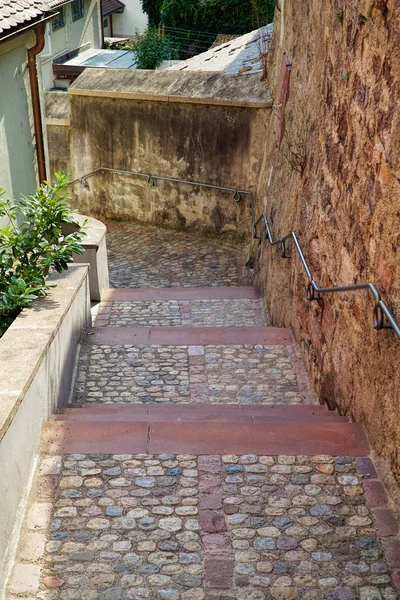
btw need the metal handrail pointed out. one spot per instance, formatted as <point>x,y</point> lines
<point>151,179</point>
<point>314,291</point>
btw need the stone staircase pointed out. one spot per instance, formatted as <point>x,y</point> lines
<point>193,464</point>
<point>191,425</point>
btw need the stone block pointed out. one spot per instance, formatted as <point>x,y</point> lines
<point>25,579</point>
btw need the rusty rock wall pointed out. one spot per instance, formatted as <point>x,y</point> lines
<point>345,206</point>
<point>208,143</point>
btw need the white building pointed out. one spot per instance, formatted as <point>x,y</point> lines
<point>76,28</point>
<point>123,19</point>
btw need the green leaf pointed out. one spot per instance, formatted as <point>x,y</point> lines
<point>29,251</point>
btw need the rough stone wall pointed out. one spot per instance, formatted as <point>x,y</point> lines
<point>345,206</point>
<point>197,142</point>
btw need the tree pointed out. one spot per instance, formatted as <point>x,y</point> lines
<point>219,16</point>
<point>153,10</point>
<point>194,24</point>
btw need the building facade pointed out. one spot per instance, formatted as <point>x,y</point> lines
<point>23,152</point>
<point>76,28</point>
<point>124,22</point>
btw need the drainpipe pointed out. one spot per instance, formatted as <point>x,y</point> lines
<point>37,116</point>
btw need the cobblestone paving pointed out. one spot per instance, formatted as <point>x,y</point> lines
<point>187,313</point>
<point>251,374</point>
<point>300,528</point>
<point>139,314</point>
<point>150,257</point>
<point>181,527</point>
<point>182,374</point>
<point>125,527</point>
<point>137,374</point>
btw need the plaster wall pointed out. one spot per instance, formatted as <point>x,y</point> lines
<point>197,142</point>
<point>37,357</point>
<point>18,167</point>
<point>94,254</point>
<point>85,32</point>
<point>345,206</point>
<point>131,20</point>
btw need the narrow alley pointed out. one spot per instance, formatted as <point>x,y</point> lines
<point>193,462</point>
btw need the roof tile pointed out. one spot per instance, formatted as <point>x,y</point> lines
<point>14,13</point>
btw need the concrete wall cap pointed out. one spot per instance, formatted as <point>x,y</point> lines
<point>202,87</point>
<point>24,345</point>
<point>95,230</point>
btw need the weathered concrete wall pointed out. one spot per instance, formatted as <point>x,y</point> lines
<point>346,204</point>
<point>211,143</point>
<point>37,357</point>
<point>193,142</point>
<point>57,109</point>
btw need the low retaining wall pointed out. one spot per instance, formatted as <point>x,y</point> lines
<point>37,357</point>
<point>95,254</point>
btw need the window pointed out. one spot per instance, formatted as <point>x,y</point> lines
<point>105,23</point>
<point>59,21</point>
<point>77,9</point>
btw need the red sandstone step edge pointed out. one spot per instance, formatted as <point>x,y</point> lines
<point>234,406</point>
<point>204,438</point>
<point>270,439</point>
<point>197,412</point>
<point>94,438</point>
<point>197,293</point>
<point>200,418</point>
<point>190,336</point>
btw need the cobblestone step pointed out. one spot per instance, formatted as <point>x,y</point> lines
<point>296,438</point>
<point>200,413</point>
<point>222,312</point>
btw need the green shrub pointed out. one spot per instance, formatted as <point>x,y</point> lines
<point>151,49</point>
<point>32,245</point>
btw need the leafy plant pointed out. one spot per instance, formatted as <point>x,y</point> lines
<point>340,15</point>
<point>151,49</point>
<point>193,25</point>
<point>153,10</point>
<point>32,244</point>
